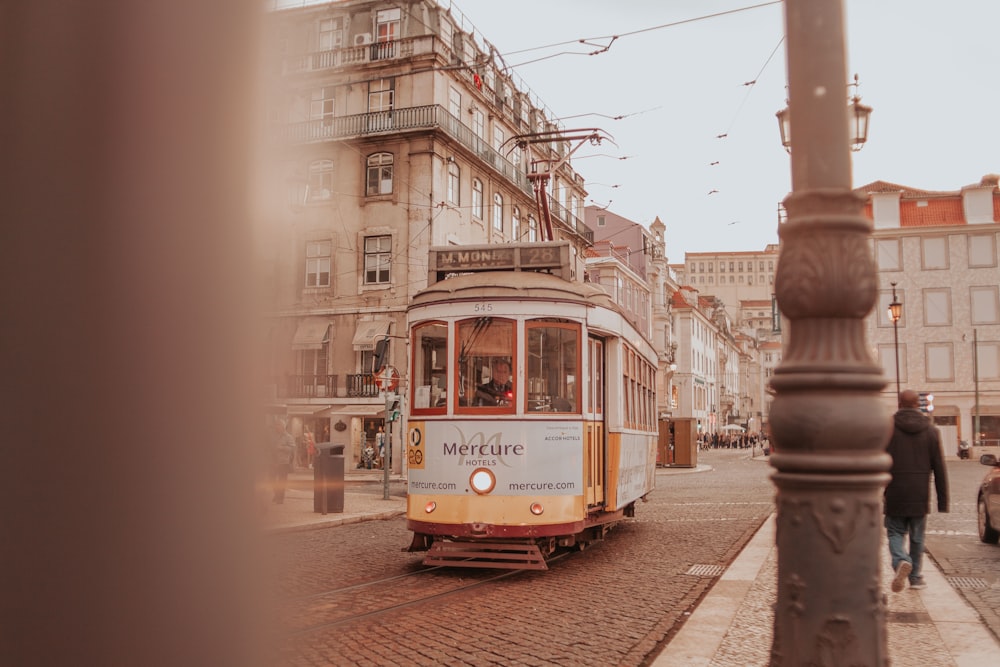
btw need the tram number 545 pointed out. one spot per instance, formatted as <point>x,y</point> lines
<point>483,308</point>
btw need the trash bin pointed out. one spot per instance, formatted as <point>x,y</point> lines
<point>328,478</point>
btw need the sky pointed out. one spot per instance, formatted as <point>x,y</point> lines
<point>927,68</point>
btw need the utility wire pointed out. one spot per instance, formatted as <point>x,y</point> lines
<point>613,38</point>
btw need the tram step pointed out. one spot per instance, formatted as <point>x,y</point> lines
<point>500,555</point>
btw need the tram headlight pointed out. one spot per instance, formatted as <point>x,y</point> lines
<point>430,506</point>
<point>482,480</point>
<point>537,509</point>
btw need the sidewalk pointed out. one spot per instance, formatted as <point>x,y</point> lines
<point>732,626</point>
<point>362,502</point>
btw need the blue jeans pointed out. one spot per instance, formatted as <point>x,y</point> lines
<point>898,527</point>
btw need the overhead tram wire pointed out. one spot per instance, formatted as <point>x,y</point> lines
<point>613,38</point>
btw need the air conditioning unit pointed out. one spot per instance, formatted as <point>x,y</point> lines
<point>362,39</point>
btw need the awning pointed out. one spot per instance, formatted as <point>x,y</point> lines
<point>311,334</point>
<point>364,337</point>
<point>357,410</point>
<point>306,409</point>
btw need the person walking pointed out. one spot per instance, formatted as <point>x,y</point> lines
<point>915,448</point>
<point>282,446</point>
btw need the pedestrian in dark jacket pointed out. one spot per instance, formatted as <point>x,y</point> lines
<point>915,448</point>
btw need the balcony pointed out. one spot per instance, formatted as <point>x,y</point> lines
<point>362,385</point>
<point>356,385</point>
<point>307,386</point>
<point>573,223</point>
<point>432,117</point>
<point>354,56</point>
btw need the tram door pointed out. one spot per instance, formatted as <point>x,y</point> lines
<point>594,456</point>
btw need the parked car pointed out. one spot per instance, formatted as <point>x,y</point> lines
<point>988,503</point>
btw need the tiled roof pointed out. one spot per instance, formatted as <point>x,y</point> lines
<point>934,212</point>
<point>906,191</point>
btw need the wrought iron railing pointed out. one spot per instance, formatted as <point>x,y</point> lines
<point>422,118</point>
<point>307,386</point>
<point>361,384</point>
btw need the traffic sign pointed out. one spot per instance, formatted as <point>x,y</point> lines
<point>387,379</point>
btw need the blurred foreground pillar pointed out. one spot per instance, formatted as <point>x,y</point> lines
<point>827,418</point>
<point>126,493</point>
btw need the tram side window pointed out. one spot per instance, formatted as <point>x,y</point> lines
<point>553,359</point>
<point>485,364</point>
<point>430,366</point>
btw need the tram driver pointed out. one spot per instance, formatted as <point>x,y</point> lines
<point>497,391</point>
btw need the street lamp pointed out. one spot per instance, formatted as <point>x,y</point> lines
<point>895,312</point>
<point>826,422</point>
<point>857,122</point>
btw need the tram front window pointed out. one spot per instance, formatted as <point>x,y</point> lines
<point>553,359</point>
<point>430,366</point>
<point>485,360</point>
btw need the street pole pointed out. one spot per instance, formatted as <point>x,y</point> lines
<point>829,426</point>
<point>975,377</point>
<point>390,402</point>
<point>895,311</point>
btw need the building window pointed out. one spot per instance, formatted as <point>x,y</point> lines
<point>498,138</point>
<point>740,266</point>
<point>601,221</point>
<point>454,180</point>
<point>378,259</point>
<point>498,211</point>
<point>985,305</point>
<point>477,198</point>
<point>320,180</point>
<point>387,25</point>
<point>532,228</point>
<point>887,358</point>
<point>935,253</point>
<point>940,362</point>
<point>515,223</point>
<point>318,263</point>
<point>379,180</point>
<point>701,266</point>
<point>982,250</point>
<point>478,123</point>
<point>988,361</point>
<point>381,95</point>
<point>455,102</point>
<point>731,269</point>
<point>331,34</point>
<point>321,105</point>
<point>937,307</point>
<point>312,370</point>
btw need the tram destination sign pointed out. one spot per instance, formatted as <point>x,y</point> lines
<point>551,256</point>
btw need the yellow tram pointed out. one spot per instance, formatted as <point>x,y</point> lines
<point>531,408</point>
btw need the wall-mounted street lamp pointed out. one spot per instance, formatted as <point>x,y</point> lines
<point>857,120</point>
<point>895,312</point>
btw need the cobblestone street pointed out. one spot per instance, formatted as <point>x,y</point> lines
<point>614,604</point>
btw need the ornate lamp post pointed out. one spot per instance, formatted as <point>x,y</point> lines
<point>895,312</point>
<point>857,117</point>
<point>829,427</point>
